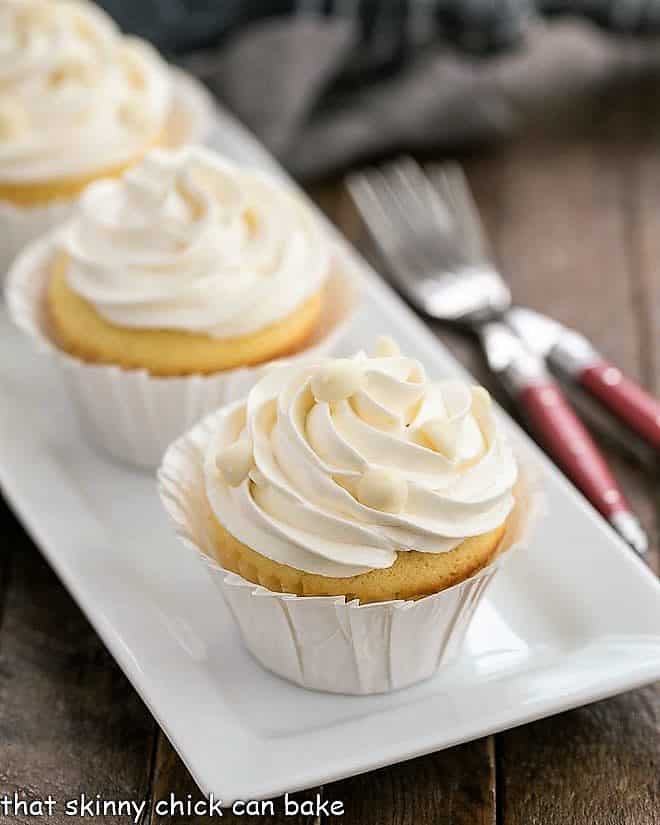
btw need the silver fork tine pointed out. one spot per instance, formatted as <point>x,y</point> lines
<point>376,196</point>
<point>423,225</point>
<point>431,236</point>
<point>373,194</point>
<point>410,186</point>
<point>415,189</point>
<point>405,193</point>
<point>434,224</point>
<point>453,187</point>
<point>361,187</point>
<point>366,190</point>
<point>426,224</point>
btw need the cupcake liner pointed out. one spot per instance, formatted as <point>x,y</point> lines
<point>21,225</point>
<point>130,414</point>
<point>191,121</point>
<point>324,642</point>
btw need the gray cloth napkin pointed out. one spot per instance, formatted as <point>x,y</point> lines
<point>278,75</point>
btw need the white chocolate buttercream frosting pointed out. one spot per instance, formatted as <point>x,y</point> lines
<point>188,241</point>
<point>75,95</point>
<point>335,466</point>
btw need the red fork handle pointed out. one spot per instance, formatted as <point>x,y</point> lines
<point>569,443</point>
<point>626,399</point>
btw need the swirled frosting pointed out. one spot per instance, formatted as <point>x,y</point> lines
<point>75,95</point>
<point>334,467</point>
<point>188,241</point>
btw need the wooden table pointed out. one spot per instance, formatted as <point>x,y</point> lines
<point>575,219</point>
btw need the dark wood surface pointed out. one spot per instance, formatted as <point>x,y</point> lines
<point>574,215</point>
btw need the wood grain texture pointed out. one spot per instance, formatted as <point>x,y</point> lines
<point>645,236</point>
<point>452,787</point>
<point>70,723</point>
<point>597,764</point>
<point>171,776</point>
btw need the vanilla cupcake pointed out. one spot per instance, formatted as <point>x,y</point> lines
<point>358,496</point>
<point>78,102</point>
<point>174,284</point>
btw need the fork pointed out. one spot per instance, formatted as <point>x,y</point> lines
<point>429,232</point>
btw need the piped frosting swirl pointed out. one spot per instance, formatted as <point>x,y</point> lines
<point>334,467</point>
<point>76,96</point>
<point>188,241</point>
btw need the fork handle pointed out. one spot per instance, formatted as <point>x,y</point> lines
<point>568,441</point>
<point>574,357</point>
<point>625,398</point>
<point>566,437</point>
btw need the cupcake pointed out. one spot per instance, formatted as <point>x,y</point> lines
<point>364,502</point>
<point>170,288</point>
<point>78,102</point>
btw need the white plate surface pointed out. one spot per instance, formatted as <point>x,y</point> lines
<point>575,619</point>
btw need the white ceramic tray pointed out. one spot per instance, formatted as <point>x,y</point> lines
<point>575,619</point>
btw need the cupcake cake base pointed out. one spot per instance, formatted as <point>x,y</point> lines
<point>412,576</point>
<point>83,333</point>
<point>42,193</point>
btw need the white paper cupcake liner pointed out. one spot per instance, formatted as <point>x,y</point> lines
<point>326,643</point>
<point>191,121</point>
<point>21,225</point>
<point>132,415</point>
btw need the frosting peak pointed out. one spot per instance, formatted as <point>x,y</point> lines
<point>333,467</point>
<point>189,241</point>
<point>75,96</point>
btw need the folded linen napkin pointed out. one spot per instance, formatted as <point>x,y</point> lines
<point>326,83</point>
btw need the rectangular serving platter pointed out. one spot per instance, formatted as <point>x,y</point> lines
<point>574,619</point>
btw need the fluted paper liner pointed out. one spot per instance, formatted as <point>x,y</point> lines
<point>324,642</point>
<point>19,226</point>
<point>191,121</point>
<point>130,414</point>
